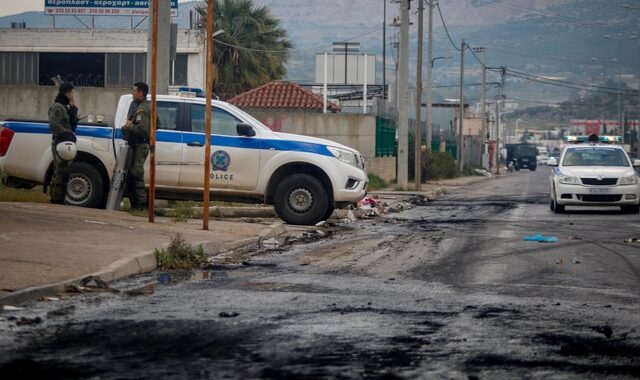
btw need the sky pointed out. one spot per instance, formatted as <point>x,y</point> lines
<point>10,7</point>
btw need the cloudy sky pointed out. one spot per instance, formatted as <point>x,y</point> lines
<point>10,7</point>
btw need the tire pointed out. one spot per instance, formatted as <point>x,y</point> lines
<point>301,199</point>
<point>533,168</point>
<point>85,187</point>
<point>329,212</point>
<point>633,209</point>
<point>558,209</point>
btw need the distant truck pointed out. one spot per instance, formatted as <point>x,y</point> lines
<point>523,156</point>
<point>305,178</point>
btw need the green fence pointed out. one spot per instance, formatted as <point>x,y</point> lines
<point>451,147</point>
<point>385,137</point>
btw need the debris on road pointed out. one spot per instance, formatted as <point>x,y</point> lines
<point>11,308</point>
<point>90,284</point>
<point>632,240</point>
<point>322,223</point>
<point>24,321</point>
<point>482,172</point>
<point>559,261</point>
<point>270,243</point>
<point>164,279</point>
<point>576,260</point>
<point>144,289</point>
<point>350,217</point>
<point>605,330</point>
<point>48,299</point>
<point>541,238</point>
<point>224,314</point>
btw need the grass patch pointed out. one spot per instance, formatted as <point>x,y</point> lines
<point>9,194</point>
<point>179,255</point>
<point>376,183</point>
<point>179,211</point>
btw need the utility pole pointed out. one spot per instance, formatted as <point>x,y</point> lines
<point>418,126</point>
<point>461,115</point>
<point>403,125</point>
<point>432,4</point>
<point>503,71</point>
<point>384,51</point>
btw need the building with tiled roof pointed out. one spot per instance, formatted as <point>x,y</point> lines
<point>282,95</point>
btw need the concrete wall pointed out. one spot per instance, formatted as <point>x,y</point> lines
<point>354,130</point>
<point>32,102</point>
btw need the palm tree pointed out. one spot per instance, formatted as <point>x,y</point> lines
<point>252,50</point>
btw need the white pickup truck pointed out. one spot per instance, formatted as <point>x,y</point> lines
<point>305,178</point>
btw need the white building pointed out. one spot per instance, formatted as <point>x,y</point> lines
<point>103,64</point>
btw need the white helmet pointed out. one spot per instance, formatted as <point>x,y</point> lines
<point>67,150</point>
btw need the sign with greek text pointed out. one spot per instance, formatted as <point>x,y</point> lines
<point>102,7</point>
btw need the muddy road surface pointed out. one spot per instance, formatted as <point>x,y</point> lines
<point>448,290</point>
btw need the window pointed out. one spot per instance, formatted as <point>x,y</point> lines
<point>18,68</point>
<point>168,116</point>
<point>81,69</point>
<point>179,74</point>
<point>124,69</point>
<point>595,157</point>
<point>223,123</point>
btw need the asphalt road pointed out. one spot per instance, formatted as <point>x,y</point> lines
<point>447,290</point>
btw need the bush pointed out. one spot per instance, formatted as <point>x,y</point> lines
<point>470,170</point>
<point>376,183</point>
<point>179,255</point>
<point>441,166</point>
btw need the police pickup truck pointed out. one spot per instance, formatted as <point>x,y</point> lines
<point>305,178</point>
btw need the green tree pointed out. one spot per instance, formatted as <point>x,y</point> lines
<point>252,50</point>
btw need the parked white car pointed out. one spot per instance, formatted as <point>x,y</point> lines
<point>304,177</point>
<point>594,174</point>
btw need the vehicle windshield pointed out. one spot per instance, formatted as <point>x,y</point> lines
<point>596,156</point>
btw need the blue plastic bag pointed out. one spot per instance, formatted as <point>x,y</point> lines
<point>541,238</point>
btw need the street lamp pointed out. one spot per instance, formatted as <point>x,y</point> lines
<point>620,39</point>
<point>442,57</point>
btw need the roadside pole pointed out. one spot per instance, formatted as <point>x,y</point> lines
<point>207,118</point>
<point>418,126</point>
<point>403,125</point>
<point>154,112</point>
<point>461,116</point>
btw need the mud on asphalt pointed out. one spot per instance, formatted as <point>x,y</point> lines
<point>351,302</point>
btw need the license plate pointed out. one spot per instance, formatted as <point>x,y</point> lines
<point>599,190</point>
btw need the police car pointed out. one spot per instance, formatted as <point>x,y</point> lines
<point>594,171</point>
<point>305,178</point>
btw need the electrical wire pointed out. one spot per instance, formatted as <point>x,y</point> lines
<point>444,24</point>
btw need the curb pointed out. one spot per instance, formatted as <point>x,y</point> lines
<point>140,263</point>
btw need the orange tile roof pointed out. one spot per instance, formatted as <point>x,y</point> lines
<point>282,94</point>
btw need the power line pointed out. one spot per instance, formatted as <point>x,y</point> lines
<point>445,28</point>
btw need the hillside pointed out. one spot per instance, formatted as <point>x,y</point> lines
<point>555,38</point>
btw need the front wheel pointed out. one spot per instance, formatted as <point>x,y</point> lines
<point>301,199</point>
<point>85,187</point>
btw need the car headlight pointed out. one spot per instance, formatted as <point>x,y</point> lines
<point>630,180</point>
<point>344,156</point>
<point>569,180</point>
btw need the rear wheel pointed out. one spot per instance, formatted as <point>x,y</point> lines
<point>85,187</point>
<point>301,199</point>
<point>633,209</point>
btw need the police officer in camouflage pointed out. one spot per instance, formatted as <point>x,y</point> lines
<point>136,133</point>
<point>63,120</point>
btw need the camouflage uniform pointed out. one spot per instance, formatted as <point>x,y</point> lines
<point>137,135</point>
<point>60,121</point>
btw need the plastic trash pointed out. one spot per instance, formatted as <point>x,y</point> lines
<point>541,238</point>
<point>270,243</point>
<point>576,260</point>
<point>11,308</point>
<point>164,279</point>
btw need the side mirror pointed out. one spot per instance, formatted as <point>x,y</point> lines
<point>552,162</point>
<point>245,130</point>
<point>636,163</point>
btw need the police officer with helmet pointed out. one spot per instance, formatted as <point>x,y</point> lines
<point>63,120</point>
<point>136,133</point>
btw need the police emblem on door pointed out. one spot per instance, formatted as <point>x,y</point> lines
<point>220,160</point>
